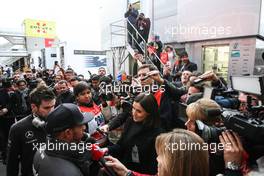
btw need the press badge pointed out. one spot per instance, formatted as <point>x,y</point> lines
<point>135,156</point>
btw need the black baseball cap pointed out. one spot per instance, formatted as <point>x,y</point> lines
<point>65,116</point>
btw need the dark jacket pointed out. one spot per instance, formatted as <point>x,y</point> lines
<point>18,110</point>
<point>136,147</point>
<point>66,162</point>
<point>143,27</point>
<point>178,84</point>
<point>24,138</point>
<point>5,102</point>
<point>132,15</point>
<point>66,97</point>
<point>168,116</point>
<point>190,67</point>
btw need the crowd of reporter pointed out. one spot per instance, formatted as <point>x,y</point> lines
<point>58,105</point>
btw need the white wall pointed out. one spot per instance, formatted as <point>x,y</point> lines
<point>191,20</point>
<point>198,20</point>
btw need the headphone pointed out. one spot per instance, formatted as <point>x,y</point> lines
<point>37,122</point>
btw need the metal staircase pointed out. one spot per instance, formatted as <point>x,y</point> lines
<point>119,35</point>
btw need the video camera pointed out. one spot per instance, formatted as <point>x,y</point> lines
<point>249,124</point>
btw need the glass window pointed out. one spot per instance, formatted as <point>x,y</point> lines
<point>216,58</point>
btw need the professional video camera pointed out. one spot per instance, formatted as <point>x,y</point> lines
<point>248,124</point>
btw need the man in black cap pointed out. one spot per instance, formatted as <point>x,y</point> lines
<point>64,153</point>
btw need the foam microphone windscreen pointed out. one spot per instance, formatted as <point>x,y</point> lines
<point>97,153</point>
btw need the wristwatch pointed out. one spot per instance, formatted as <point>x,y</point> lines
<point>232,165</point>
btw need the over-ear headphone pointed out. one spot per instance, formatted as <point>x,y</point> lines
<point>37,122</point>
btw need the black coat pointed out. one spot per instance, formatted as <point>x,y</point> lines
<point>24,139</point>
<point>136,147</point>
<point>190,67</point>
<point>168,115</point>
<point>66,162</point>
<point>16,106</point>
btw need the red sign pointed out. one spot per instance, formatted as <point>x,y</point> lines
<point>48,42</point>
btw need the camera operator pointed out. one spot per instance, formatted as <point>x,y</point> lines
<point>196,113</point>
<point>64,93</point>
<point>204,124</point>
<point>65,126</point>
<point>27,132</point>
<point>20,100</point>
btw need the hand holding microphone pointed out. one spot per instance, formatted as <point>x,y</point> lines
<point>98,155</point>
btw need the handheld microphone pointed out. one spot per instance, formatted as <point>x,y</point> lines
<point>101,132</point>
<point>98,155</point>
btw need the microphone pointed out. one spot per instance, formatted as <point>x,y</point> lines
<point>101,132</point>
<point>98,155</point>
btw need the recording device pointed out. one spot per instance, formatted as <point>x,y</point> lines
<point>251,128</point>
<point>98,155</point>
<point>249,124</point>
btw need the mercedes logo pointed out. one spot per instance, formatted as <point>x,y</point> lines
<point>29,134</point>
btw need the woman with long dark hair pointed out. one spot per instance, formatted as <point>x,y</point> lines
<point>136,147</point>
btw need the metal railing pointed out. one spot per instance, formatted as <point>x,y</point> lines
<point>119,28</point>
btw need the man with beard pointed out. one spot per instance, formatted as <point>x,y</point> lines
<point>70,157</point>
<point>64,93</point>
<point>28,132</point>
